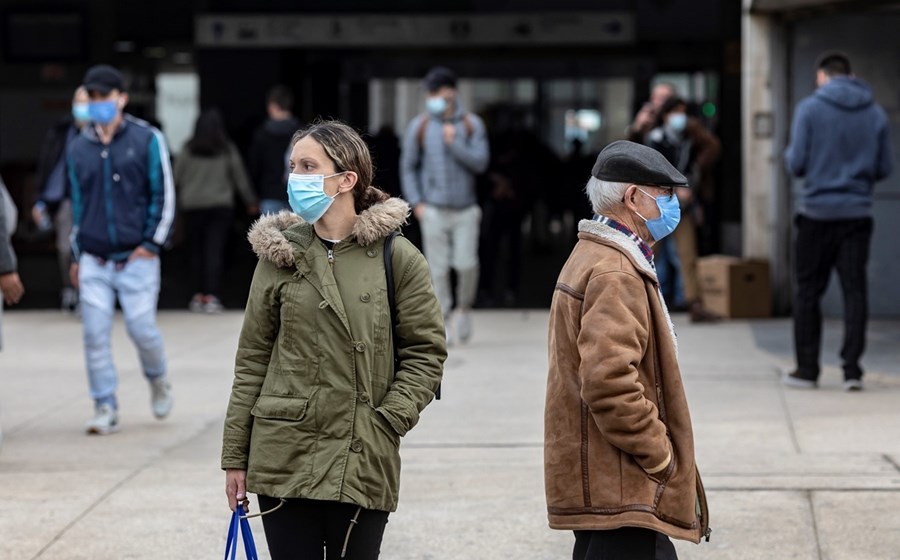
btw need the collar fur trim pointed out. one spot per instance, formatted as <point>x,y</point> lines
<point>267,237</point>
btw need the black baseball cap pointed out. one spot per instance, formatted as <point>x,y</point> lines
<point>438,77</point>
<point>103,78</point>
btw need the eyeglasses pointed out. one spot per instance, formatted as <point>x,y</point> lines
<point>666,196</point>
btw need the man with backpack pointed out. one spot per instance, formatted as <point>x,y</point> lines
<point>443,151</point>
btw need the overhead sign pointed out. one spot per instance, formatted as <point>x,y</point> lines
<point>448,30</point>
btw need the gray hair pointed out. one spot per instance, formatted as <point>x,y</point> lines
<point>605,195</point>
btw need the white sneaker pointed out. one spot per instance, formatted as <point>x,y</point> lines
<point>161,397</point>
<point>196,305</point>
<point>464,325</point>
<point>104,422</point>
<point>213,305</point>
<point>853,385</point>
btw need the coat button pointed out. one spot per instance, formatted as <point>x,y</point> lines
<point>116,177</point>
<point>371,252</point>
<point>356,446</point>
<point>360,346</point>
<point>365,298</point>
<point>364,398</point>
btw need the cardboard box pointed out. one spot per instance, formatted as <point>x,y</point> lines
<point>735,288</point>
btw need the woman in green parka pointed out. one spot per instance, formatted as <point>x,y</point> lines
<point>318,408</point>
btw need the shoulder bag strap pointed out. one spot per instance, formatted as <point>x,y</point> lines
<point>392,298</point>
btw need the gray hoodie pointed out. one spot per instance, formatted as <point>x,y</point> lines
<point>443,174</point>
<point>841,145</point>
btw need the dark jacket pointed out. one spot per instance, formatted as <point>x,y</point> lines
<point>268,158</point>
<point>694,153</point>
<point>840,144</point>
<point>50,177</point>
<point>123,195</point>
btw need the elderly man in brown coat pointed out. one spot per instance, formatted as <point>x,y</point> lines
<point>618,446</point>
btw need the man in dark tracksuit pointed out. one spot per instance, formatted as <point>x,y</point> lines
<point>840,144</point>
<point>123,203</point>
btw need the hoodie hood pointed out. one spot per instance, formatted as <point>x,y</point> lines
<point>847,93</point>
<point>282,128</point>
<point>269,236</point>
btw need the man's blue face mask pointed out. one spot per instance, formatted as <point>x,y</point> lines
<point>103,112</point>
<point>669,214</point>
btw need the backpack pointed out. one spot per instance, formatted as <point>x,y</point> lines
<point>423,126</point>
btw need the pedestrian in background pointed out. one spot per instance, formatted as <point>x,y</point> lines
<point>318,404</point>
<point>443,150</point>
<point>618,444</point>
<point>840,144</point>
<point>208,174</point>
<point>53,208</point>
<point>11,289</point>
<point>648,117</point>
<point>271,142</point>
<point>123,204</point>
<point>693,151</point>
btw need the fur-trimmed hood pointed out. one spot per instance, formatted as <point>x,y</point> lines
<point>268,236</point>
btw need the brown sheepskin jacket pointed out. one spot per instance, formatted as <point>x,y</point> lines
<point>618,444</point>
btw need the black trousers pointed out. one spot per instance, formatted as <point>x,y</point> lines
<point>821,247</point>
<point>314,530</point>
<point>207,230</point>
<point>627,543</point>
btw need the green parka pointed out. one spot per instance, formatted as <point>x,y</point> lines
<point>316,409</point>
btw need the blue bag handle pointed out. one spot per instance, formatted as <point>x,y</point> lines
<point>239,526</point>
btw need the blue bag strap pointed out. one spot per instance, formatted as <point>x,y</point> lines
<point>232,539</point>
<point>249,544</point>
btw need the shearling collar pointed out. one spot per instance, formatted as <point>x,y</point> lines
<point>630,248</point>
<point>269,235</point>
<point>621,241</point>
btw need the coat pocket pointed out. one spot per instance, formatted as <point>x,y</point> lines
<point>280,407</point>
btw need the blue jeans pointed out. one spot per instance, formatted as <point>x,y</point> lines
<point>668,271</point>
<point>136,284</point>
<point>271,206</point>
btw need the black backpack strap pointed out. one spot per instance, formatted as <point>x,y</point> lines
<point>392,298</point>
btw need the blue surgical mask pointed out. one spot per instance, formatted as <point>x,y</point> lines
<point>669,215</point>
<point>81,112</point>
<point>677,121</point>
<point>103,112</point>
<point>306,195</point>
<point>436,105</point>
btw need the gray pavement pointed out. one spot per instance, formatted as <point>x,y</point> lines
<point>790,474</point>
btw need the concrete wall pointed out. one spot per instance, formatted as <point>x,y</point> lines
<point>872,43</point>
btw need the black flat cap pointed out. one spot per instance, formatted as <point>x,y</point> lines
<point>627,162</point>
<point>103,78</point>
<point>438,77</point>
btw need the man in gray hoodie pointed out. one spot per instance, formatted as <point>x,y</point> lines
<point>443,150</point>
<point>840,145</point>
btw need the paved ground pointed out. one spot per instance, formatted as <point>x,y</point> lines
<point>807,475</point>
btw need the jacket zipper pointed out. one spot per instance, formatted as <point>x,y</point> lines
<point>331,256</point>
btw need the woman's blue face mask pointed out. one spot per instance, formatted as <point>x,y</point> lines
<point>669,214</point>
<point>306,195</point>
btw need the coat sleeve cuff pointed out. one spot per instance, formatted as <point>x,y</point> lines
<point>150,246</point>
<point>401,415</point>
<point>662,466</point>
